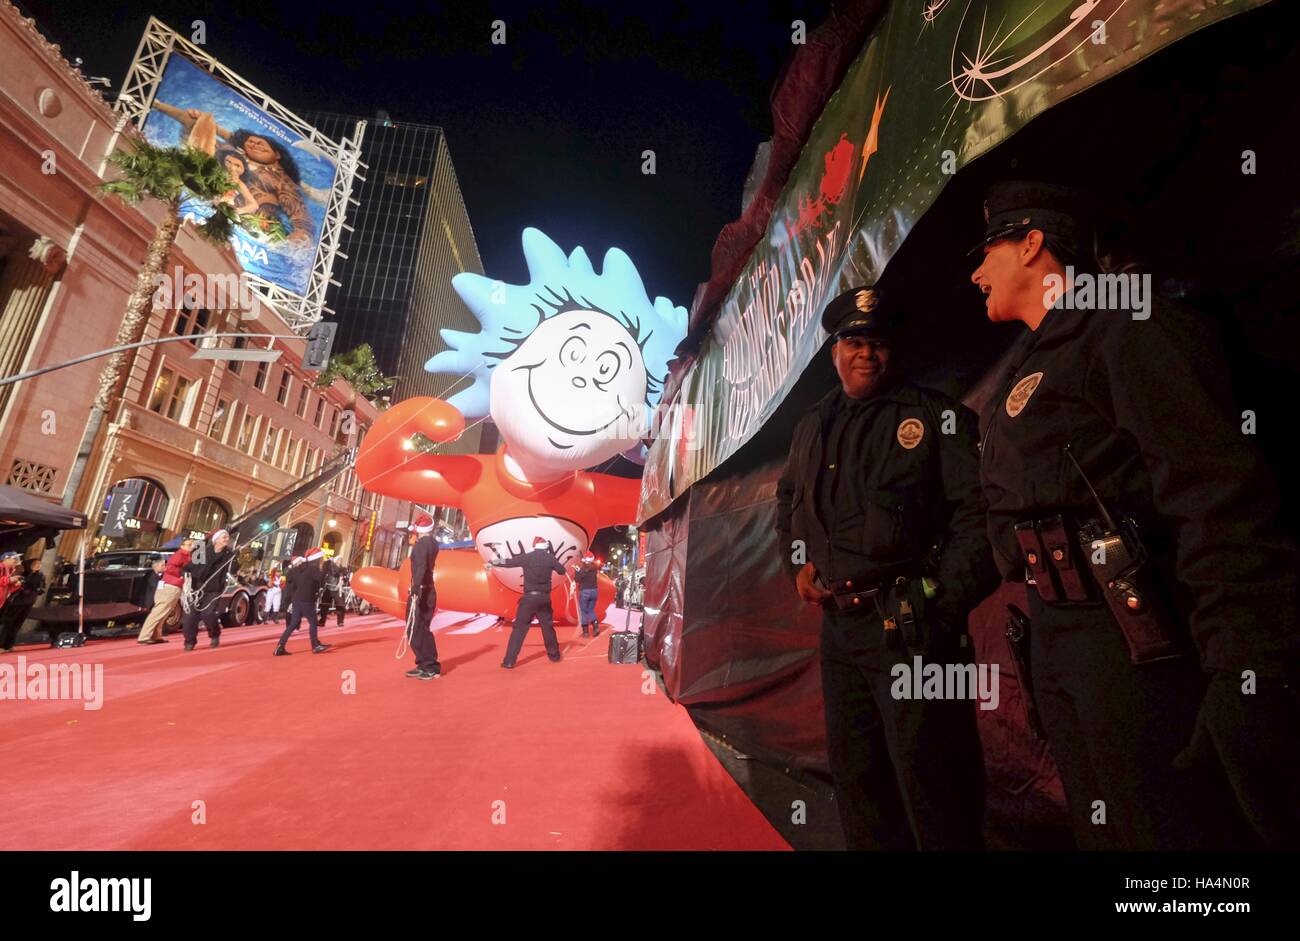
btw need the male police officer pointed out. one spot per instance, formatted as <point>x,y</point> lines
<point>1121,489</point>
<point>535,601</point>
<point>423,600</point>
<point>882,481</point>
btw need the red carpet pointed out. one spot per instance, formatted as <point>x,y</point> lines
<point>570,755</point>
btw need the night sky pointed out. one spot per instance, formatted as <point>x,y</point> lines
<point>547,130</point>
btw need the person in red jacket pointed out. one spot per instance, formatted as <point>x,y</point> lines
<point>167,596</point>
<point>10,580</point>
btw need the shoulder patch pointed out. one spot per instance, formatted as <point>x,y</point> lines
<point>1019,396</point>
<point>910,432</point>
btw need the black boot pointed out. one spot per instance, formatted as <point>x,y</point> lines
<point>320,648</point>
<point>280,651</point>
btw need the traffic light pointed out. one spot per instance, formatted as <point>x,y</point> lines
<point>319,340</point>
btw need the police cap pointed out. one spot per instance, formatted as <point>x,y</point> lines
<point>1013,207</point>
<point>859,312</point>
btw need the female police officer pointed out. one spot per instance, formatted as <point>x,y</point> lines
<point>1119,487</point>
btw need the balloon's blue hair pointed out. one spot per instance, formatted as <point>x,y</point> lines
<point>508,313</point>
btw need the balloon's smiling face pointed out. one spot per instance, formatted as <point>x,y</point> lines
<point>572,394</point>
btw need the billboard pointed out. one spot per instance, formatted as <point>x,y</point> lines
<point>291,183</point>
<point>280,176</point>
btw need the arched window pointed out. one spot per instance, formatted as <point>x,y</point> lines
<point>144,525</point>
<point>204,515</point>
<point>306,533</point>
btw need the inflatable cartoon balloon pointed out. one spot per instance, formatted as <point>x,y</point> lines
<point>567,366</point>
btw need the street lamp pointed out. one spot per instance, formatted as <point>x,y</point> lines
<point>333,523</point>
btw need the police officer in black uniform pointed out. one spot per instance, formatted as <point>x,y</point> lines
<point>878,507</point>
<point>301,588</point>
<point>422,601</point>
<point>1163,634</point>
<point>535,601</point>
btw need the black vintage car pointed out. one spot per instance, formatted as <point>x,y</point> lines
<point>117,595</point>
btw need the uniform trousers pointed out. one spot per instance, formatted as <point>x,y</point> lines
<point>533,604</point>
<point>1114,729</point>
<point>423,647</point>
<point>908,772</point>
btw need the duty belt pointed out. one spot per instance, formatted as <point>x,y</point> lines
<point>892,600</point>
<point>1088,563</point>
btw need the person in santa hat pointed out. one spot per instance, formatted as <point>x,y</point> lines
<point>301,588</point>
<point>536,599</point>
<point>585,577</point>
<point>207,570</point>
<point>423,598</point>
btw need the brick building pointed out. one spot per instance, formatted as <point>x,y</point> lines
<point>199,440</point>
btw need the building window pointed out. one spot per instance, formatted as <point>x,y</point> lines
<point>205,515</point>
<point>220,418</point>
<point>303,398</point>
<point>405,180</point>
<point>245,441</point>
<point>320,412</point>
<point>173,396</point>
<point>309,461</point>
<point>286,380</point>
<point>237,365</point>
<point>259,380</point>
<point>191,322</point>
<point>268,442</point>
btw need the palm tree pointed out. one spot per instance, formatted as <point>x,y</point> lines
<point>169,175</point>
<point>359,368</point>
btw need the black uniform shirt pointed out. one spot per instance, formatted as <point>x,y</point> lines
<point>905,481</point>
<point>537,565</point>
<point>424,555</point>
<point>1147,411</point>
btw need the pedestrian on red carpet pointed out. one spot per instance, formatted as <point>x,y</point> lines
<point>9,579</point>
<point>274,594</point>
<point>30,588</point>
<point>302,587</point>
<point>585,575</point>
<point>208,568</point>
<point>167,596</point>
<point>535,601</point>
<point>332,594</point>
<point>422,600</point>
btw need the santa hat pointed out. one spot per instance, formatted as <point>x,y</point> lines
<point>296,560</point>
<point>212,536</point>
<point>538,541</point>
<point>589,558</point>
<point>422,523</point>
<point>314,553</point>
